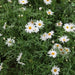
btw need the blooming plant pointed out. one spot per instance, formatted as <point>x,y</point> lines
<point>37,37</point>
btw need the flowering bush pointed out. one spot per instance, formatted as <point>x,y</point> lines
<point>37,37</point>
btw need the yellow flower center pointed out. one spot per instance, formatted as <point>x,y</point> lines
<point>59,23</point>
<point>55,70</point>
<point>61,49</point>
<point>23,1</point>
<point>67,50</point>
<point>57,45</point>
<point>62,52</point>
<point>64,40</point>
<point>30,27</point>
<point>53,53</point>
<point>10,41</point>
<point>67,27</point>
<point>44,35</point>
<point>49,12</point>
<point>71,27</point>
<point>49,33</point>
<point>39,24</point>
<point>47,0</point>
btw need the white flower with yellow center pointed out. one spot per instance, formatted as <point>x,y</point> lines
<point>36,29</point>
<point>55,70</point>
<point>67,49</point>
<point>52,53</point>
<point>49,35</point>
<point>63,53</point>
<point>23,1</point>
<point>10,42</point>
<point>29,28</point>
<point>39,23</point>
<point>56,46</point>
<point>44,37</point>
<point>72,27</point>
<point>59,24</point>
<point>67,27</point>
<point>47,2</point>
<point>49,12</point>
<point>63,39</point>
<point>61,49</point>
<point>1,66</point>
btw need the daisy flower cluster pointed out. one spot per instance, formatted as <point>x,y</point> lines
<point>58,49</point>
<point>46,36</point>
<point>69,27</point>
<point>34,26</point>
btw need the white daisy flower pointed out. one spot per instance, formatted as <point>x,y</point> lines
<point>72,27</point>
<point>23,1</point>
<point>1,66</point>
<point>57,46</point>
<point>63,39</point>
<point>52,53</point>
<point>9,1</point>
<point>55,70</point>
<point>10,42</point>
<point>5,25</point>
<point>18,59</point>
<point>1,34</point>
<point>63,53</point>
<point>44,37</point>
<point>61,49</point>
<point>67,27</point>
<point>50,34</point>
<point>47,2</point>
<point>67,49</point>
<point>36,29</point>
<point>29,28</point>
<point>59,23</point>
<point>39,23</point>
<point>49,12</point>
